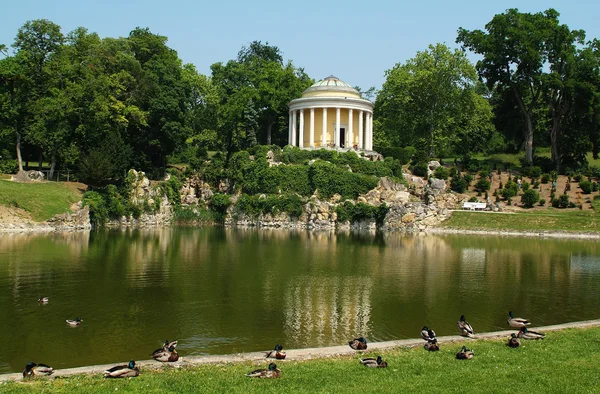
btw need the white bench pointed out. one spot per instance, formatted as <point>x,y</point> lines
<point>473,206</point>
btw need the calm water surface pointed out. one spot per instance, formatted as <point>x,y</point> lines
<point>224,290</point>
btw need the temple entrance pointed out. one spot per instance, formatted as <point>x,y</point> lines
<point>342,137</point>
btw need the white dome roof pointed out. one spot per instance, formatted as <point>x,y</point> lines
<point>330,85</point>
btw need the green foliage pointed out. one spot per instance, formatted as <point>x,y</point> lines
<point>349,211</point>
<point>441,173</point>
<point>482,185</point>
<point>458,183</point>
<point>473,199</point>
<point>525,186</point>
<point>420,169</point>
<point>97,207</point>
<point>404,155</point>
<point>510,190</point>
<point>256,205</point>
<point>561,202</point>
<point>542,202</point>
<point>586,187</point>
<point>218,205</point>
<point>191,215</point>
<point>171,189</point>
<point>529,198</point>
<point>329,180</point>
<point>468,179</point>
<point>545,178</point>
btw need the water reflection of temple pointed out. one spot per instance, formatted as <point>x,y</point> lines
<point>321,311</point>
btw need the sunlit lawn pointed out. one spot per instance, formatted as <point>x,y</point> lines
<point>565,362</point>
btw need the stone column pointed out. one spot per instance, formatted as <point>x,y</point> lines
<point>290,129</point>
<point>294,128</point>
<point>360,130</point>
<point>350,138</point>
<point>370,132</point>
<point>301,136</point>
<point>312,128</point>
<point>337,127</point>
<point>324,131</point>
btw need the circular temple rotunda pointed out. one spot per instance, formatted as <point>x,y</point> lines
<point>331,114</point>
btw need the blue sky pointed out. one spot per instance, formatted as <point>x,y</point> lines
<point>354,40</point>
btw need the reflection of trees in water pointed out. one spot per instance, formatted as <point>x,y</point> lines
<point>325,310</point>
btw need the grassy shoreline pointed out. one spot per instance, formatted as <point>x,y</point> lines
<point>566,361</point>
<point>551,220</point>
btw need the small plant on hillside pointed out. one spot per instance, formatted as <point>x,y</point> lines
<point>473,199</point>
<point>542,202</point>
<point>577,177</point>
<point>545,178</point>
<point>529,198</point>
<point>586,187</point>
<point>554,175</point>
<point>561,202</point>
<point>525,186</point>
<point>482,185</point>
<point>420,169</point>
<point>458,183</point>
<point>441,173</point>
<point>468,179</point>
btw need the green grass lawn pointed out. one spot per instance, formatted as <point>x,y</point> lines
<point>41,200</point>
<point>565,362</point>
<point>539,220</point>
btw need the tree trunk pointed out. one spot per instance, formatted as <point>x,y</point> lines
<point>269,128</point>
<point>18,147</point>
<point>40,160</point>
<point>52,166</point>
<point>529,139</point>
<point>554,137</point>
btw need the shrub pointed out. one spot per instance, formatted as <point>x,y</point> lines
<point>545,178</point>
<point>458,183</point>
<point>97,207</point>
<point>595,186</point>
<point>453,171</point>
<point>525,186</point>
<point>441,173</point>
<point>561,202</point>
<point>473,199</point>
<point>586,187</point>
<point>542,202</point>
<point>554,175</point>
<point>468,178</point>
<point>402,154</point>
<point>218,205</point>
<point>420,169</point>
<point>329,180</point>
<point>577,177</point>
<point>529,198</point>
<point>482,185</point>
<point>535,172</point>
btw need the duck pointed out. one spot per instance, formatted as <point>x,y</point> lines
<point>464,354</point>
<point>74,323</point>
<point>516,322</point>
<point>166,355</point>
<point>513,341</point>
<point>465,328</point>
<point>358,344</point>
<point>123,371</point>
<point>524,333</point>
<point>432,345</point>
<point>276,353</point>
<point>271,372</point>
<point>43,300</point>
<point>33,369</point>
<point>166,346</point>
<point>373,362</point>
<point>427,333</point>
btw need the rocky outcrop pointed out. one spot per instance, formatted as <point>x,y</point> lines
<point>78,219</point>
<point>195,191</point>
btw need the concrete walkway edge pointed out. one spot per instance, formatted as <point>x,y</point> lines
<point>296,354</point>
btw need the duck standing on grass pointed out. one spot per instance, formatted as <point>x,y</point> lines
<point>374,362</point>
<point>524,333</point>
<point>276,353</point>
<point>464,354</point>
<point>43,300</point>
<point>358,343</point>
<point>271,372</point>
<point>75,323</point>
<point>516,322</point>
<point>33,369</point>
<point>123,371</point>
<point>432,345</point>
<point>465,328</point>
<point>427,333</point>
<point>513,341</point>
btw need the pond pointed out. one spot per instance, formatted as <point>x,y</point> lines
<point>222,291</point>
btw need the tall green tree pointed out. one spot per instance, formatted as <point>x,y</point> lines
<point>533,56</point>
<point>430,101</point>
